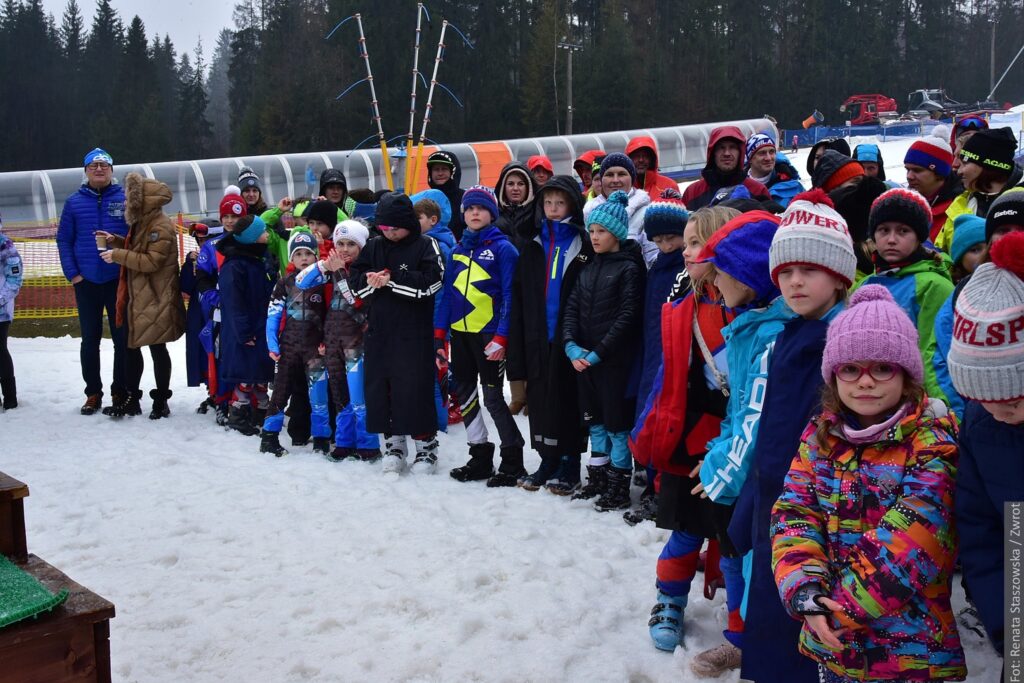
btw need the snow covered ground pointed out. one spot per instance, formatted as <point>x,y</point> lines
<point>230,565</point>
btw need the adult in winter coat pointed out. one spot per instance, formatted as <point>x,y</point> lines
<point>643,152</point>
<point>618,173</point>
<point>251,191</point>
<point>771,168</point>
<point>11,276</point>
<point>148,294</point>
<point>821,146</point>
<point>929,165</point>
<point>444,172</point>
<point>516,191</point>
<point>987,169</point>
<point>584,167</point>
<point>334,186</point>
<point>547,270</point>
<point>724,168</point>
<point>97,205</point>
<point>399,347</point>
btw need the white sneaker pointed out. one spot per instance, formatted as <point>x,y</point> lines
<point>392,464</point>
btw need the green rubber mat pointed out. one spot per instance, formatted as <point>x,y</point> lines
<point>21,596</point>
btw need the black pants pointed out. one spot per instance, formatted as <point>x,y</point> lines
<point>470,365</point>
<point>92,300</point>
<point>161,367</point>
<point>6,364</point>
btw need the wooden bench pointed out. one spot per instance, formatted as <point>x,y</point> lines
<point>71,643</point>
<point>12,518</point>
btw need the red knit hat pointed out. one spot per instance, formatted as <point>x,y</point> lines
<point>232,205</point>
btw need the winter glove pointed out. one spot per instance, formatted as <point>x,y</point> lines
<point>574,352</point>
<point>806,600</point>
<point>592,358</point>
<point>518,403</point>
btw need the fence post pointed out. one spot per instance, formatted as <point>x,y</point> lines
<point>181,239</point>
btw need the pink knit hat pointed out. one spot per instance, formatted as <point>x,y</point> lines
<point>872,328</point>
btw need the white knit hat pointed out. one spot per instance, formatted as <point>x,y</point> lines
<point>351,230</point>
<point>812,232</point>
<point>986,358</point>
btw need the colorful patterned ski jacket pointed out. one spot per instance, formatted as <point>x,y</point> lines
<point>872,525</point>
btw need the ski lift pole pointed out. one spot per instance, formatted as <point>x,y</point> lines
<point>385,161</point>
<point>430,105</point>
<point>420,10</point>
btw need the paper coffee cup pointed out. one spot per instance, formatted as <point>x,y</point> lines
<point>101,242</point>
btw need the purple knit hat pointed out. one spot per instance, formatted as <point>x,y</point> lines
<point>872,328</point>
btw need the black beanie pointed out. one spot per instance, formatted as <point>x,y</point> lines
<point>853,203</point>
<point>992,148</point>
<point>332,176</point>
<point>323,211</point>
<point>901,205</point>
<point>395,210</point>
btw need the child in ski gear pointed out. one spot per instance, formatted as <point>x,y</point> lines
<point>682,412</point>
<point>602,340</point>
<point>863,544</point>
<point>245,285</point>
<point>12,276</point>
<point>343,342</point>
<point>986,362</point>
<point>546,272</point>
<point>740,253</point>
<point>665,226</point>
<point>295,334</point>
<point>398,275</point>
<point>435,213</point>
<point>479,284</point>
<point>813,262</point>
<point>968,246</point>
<point>917,277</point>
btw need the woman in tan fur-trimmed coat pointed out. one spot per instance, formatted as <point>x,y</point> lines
<point>148,294</point>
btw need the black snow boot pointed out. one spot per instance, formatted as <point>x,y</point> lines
<point>511,468</point>
<point>647,511</point>
<point>597,482</point>
<point>240,420</point>
<point>125,406</point>
<point>160,407</point>
<point>258,415</point>
<point>10,393</point>
<point>480,465</point>
<point>616,495</point>
<point>322,444</point>
<point>269,443</point>
<point>221,410</point>
<point>205,406</point>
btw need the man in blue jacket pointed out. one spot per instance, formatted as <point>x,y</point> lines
<point>97,207</point>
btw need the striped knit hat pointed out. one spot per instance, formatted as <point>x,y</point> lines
<point>902,206</point>
<point>612,216</point>
<point>813,233</point>
<point>740,249</point>
<point>872,328</point>
<point>986,359</point>
<point>665,217</point>
<point>756,142</point>
<point>481,195</point>
<point>931,153</point>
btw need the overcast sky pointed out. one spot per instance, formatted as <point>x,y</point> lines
<point>185,21</point>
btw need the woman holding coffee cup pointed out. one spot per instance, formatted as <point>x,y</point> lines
<point>148,295</point>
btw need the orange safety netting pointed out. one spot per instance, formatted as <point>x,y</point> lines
<point>45,292</point>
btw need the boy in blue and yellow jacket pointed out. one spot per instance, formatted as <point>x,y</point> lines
<point>478,287</point>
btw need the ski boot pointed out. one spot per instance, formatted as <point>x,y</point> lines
<point>426,456</point>
<point>666,623</point>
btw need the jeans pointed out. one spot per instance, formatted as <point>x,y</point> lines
<point>92,299</point>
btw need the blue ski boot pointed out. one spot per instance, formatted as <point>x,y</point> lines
<point>666,624</point>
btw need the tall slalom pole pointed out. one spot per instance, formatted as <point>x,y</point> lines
<point>430,106</point>
<point>420,10</point>
<point>385,161</point>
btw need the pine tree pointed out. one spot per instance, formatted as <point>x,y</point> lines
<point>217,93</point>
